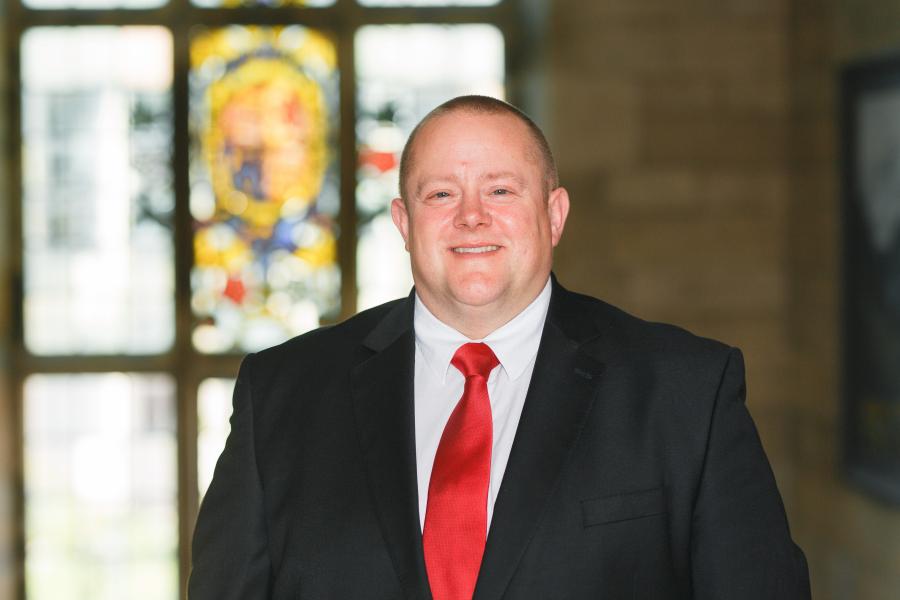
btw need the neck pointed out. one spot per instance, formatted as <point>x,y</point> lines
<point>475,328</point>
<point>477,322</point>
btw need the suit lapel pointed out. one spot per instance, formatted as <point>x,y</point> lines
<point>559,398</point>
<point>382,385</point>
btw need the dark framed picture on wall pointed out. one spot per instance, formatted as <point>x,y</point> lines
<point>871,280</point>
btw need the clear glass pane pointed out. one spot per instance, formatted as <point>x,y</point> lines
<point>264,185</point>
<point>213,413</point>
<point>403,71</point>
<point>98,201</point>
<point>101,516</point>
<point>429,2</point>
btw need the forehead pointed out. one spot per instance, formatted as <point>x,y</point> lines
<point>486,139</point>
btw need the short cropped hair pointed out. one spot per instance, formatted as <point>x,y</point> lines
<point>481,105</point>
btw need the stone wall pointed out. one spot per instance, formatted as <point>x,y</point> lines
<point>670,121</point>
<point>698,141</point>
<point>852,541</point>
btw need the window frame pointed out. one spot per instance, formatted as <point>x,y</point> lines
<point>184,364</point>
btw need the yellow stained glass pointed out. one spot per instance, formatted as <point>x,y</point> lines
<point>264,193</point>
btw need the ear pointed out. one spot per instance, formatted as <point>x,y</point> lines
<point>558,210</point>
<point>401,219</point>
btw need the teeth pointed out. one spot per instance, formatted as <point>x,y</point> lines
<point>478,250</point>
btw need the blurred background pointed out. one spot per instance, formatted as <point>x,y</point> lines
<point>184,182</point>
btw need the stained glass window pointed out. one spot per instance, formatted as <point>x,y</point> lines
<point>213,413</point>
<point>190,192</point>
<point>264,189</point>
<point>98,202</point>
<point>403,71</point>
<point>100,469</point>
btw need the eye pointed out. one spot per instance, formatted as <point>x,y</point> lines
<point>437,196</point>
<point>500,192</point>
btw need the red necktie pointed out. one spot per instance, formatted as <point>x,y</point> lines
<point>456,515</point>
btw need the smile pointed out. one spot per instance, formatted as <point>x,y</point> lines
<point>476,249</point>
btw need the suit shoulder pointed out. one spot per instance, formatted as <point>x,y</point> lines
<point>686,369</point>
<point>330,340</point>
<point>648,338</point>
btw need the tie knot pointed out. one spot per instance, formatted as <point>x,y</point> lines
<point>475,359</point>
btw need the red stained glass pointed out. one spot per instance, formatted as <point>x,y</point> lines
<point>264,191</point>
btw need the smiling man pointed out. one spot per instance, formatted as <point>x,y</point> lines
<point>493,435</point>
<point>480,216</point>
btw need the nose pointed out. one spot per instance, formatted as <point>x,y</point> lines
<point>472,211</point>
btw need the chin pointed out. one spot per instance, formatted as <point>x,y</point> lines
<point>479,292</point>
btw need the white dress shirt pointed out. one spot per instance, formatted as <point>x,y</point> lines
<point>439,386</point>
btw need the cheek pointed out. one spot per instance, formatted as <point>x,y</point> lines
<point>424,246</point>
<point>524,230</point>
<point>426,231</point>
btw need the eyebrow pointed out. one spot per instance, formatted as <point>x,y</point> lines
<point>503,175</point>
<point>432,181</point>
<point>453,179</point>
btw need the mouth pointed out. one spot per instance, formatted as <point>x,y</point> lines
<point>475,249</point>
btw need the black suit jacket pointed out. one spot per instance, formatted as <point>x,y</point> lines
<point>636,472</point>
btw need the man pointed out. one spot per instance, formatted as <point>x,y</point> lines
<point>577,452</point>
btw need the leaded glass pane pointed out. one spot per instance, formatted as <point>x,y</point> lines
<point>101,518</point>
<point>403,71</point>
<point>98,201</point>
<point>264,185</point>
<point>213,413</point>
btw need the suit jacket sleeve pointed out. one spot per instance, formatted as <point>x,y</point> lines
<point>741,546</point>
<point>230,556</point>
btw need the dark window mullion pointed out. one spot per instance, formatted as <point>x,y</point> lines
<point>185,368</point>
<point>16,345</point>
<point>334,18</point>
<point>348,162</point>
<point>14,185</point>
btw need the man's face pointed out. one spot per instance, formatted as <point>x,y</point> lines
<point>478,222</point>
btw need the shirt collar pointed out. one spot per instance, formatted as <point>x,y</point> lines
<point>515,344</point>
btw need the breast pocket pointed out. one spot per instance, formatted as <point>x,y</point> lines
<point>623,507</point>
